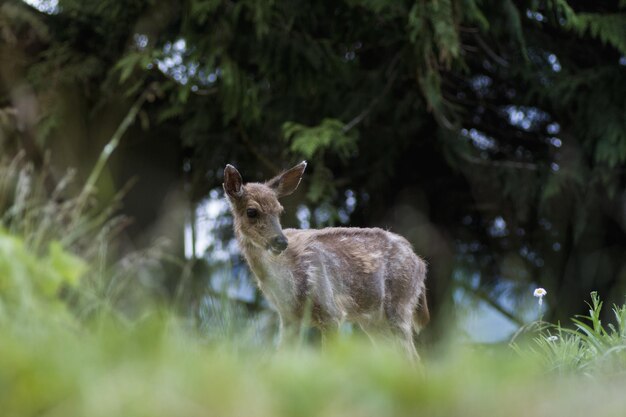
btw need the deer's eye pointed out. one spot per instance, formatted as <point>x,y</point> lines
<point>252,213</point>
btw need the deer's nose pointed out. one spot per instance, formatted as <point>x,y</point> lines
<point>279,243</point>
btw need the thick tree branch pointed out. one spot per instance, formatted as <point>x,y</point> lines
<point>275,169</point>
<point>391,76</point>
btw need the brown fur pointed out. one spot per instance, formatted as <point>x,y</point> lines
<point>370,277</point>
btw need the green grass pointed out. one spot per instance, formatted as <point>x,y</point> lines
<point>590,347</point>
<point>158,368</point>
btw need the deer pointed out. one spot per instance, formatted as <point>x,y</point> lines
<point>367,276</point>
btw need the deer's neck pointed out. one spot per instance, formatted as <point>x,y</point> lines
<point>275,277</point>
<point>265,266</point>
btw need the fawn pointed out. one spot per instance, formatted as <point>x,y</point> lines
<point>370,277</point>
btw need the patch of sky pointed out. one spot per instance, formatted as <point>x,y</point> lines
<point>210,214</point>
<point>622,60</point>
<point>350,51</point>
<point>304,216</point>
<point>349,205</point>
<point>479,139</point>
<point>468,249</point>
<point>479,321</point>
<point>534,15</point>
<point>554,63</point>
<point>531,256</point>
<point>45,6</point>
<point>229,274</point>
<point>322,216</point>
<point>141,41</point>
<point>175,63</point>
<point>556,142</point>
<point>344,217</point>
<point>350,201</point>
<point>234,281</point>
<point>553,128</point>
<point>480,84</point>
<point>525,117</point>
<point>498,227</point>
<point>524,251</point>
<point>172,61</point>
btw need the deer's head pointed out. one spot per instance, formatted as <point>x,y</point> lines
<point>256,209</point>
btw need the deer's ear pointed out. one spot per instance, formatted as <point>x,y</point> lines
<point>287,182</point>
<point>233,184</point>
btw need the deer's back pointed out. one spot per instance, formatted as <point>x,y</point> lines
<point>365,248</point>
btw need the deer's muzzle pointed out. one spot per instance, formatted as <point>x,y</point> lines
<point>278,244</point>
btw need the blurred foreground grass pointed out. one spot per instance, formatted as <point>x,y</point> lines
<point>156,368</point>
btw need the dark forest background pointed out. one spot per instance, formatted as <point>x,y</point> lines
<point>492,134</point>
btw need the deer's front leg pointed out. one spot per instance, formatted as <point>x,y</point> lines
<point>330,332</point>
<point>288,332</point>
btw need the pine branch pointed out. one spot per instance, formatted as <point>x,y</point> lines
<point>483,296</point>
<point>503,164</point>
<point>498,59</point>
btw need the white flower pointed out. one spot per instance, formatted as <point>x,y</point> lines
<point>540,293</point>
<point>552,338</point>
